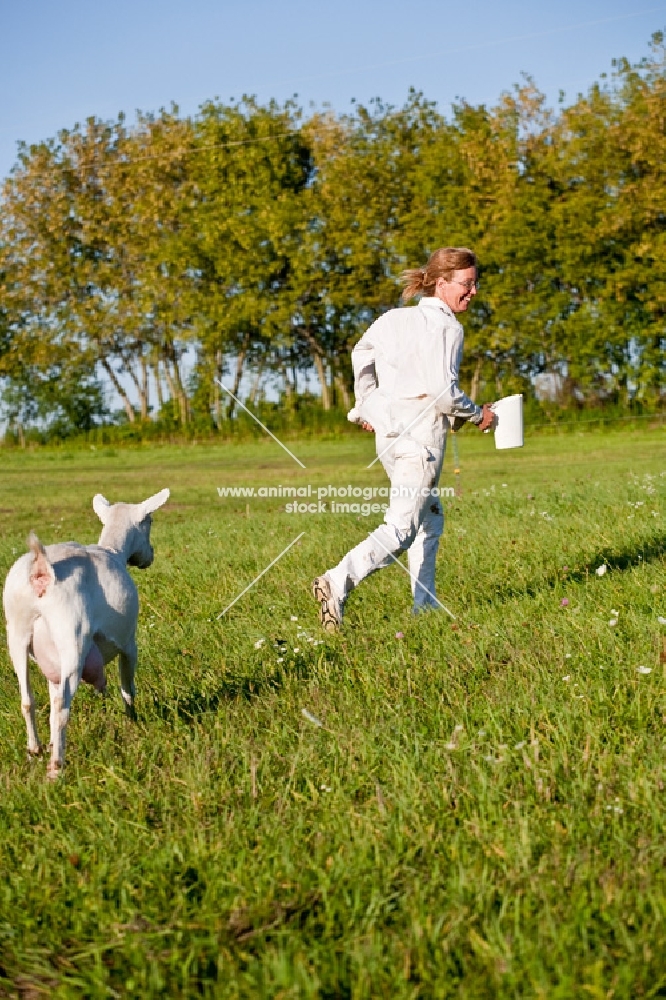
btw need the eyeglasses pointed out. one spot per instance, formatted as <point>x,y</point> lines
<point>468,285</point>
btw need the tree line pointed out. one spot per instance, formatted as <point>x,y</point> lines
<point>265,241</point>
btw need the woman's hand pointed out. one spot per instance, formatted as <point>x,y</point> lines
<point>488,418</point>
<point>366,426</point>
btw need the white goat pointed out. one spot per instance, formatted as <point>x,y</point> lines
<point>73,608</point>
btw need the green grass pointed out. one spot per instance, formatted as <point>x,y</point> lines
<point>481,812</point>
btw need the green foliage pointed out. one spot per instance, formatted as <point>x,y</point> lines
<point>265,242</point>
<point>62,399</point>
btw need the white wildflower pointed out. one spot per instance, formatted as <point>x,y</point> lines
<point>600,570</point>
<point>661,620</point>
<point>644,670</point>
<point>311,718</point>
<point>567,677</point>
<point>612,621</point>
<point>259,643</point>
<point>294,618</point>
<point>519,746</point>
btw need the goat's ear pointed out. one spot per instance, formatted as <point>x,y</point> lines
<point>101,506</point>
<point>152,503</point>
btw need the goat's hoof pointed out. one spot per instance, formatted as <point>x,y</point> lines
<point>54,770</point>
<point>33,754</point>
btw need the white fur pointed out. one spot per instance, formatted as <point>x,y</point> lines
<point>64,600</point>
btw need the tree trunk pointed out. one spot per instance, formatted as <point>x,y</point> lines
<point>288,390</point>
<point>129,409</point>
<point>240,362</point>
<point>143,395</point>
<point>476,378</point>
<point>167,374</point>
<point>176,383</point>
<point>217,402</point>
<point>158,385</point>
<point>321,375</point>
<point>342,389</point>
<point>318,359</point>
<point>255,385</point>
<point>294,371</point>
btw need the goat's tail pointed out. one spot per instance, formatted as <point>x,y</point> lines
<point>41,571</point>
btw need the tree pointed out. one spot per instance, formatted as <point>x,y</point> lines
<point>250,169</point>
<point>87,252</point>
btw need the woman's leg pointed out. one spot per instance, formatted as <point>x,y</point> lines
<point>422,556</point>
<point>422,553</point>
<point>413,470</point>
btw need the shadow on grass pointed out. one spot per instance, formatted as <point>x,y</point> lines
<point>188,706</point>
<point>651,551</point>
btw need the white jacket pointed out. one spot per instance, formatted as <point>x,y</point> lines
<point>407,363</point>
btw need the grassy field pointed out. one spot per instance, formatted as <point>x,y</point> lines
<point>420,807</point>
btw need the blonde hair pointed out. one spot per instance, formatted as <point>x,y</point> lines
<point>443,263</point>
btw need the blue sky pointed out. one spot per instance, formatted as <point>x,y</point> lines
<point>64,60</point>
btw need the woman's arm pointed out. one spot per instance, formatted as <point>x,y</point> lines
<point>363,363</point>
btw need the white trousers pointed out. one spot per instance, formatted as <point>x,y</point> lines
<point>414,520</point>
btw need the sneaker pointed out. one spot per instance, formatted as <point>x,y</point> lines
<point>331,606</point>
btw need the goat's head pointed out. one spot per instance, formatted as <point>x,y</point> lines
<point>127,527</point>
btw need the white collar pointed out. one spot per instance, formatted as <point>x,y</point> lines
<point>433,302</point>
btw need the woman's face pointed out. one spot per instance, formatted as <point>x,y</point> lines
<point>457,292</point>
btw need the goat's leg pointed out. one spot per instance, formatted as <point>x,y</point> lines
<point>54,693</point>
<point>19,643</point>
<point>61,700</point>
<point>127,666</point>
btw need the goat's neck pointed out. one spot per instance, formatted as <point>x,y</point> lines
<point>116,541</point>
